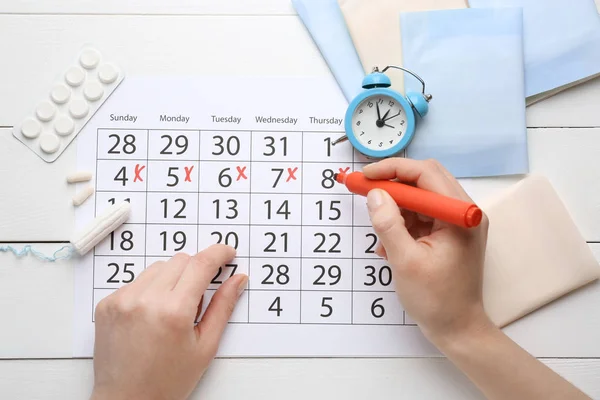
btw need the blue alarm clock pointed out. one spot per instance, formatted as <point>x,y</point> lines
<point>380,122</point>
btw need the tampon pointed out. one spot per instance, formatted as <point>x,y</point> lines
<point>81,196</point>
<point>79,176</point>
<point>101,227</point>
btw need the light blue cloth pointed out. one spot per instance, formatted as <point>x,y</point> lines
<point>562,40</point>
<point>325,22</point>
<point>472,62</point>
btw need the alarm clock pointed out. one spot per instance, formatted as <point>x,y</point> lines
<point>380,122</point>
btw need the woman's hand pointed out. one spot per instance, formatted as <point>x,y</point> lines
<point>147,344</point>
<point>437,267</point>
<point>438,270</point>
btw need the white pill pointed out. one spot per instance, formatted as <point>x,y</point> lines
<point>45,111</point>
<point>78,108</point>
<point>93,91</point>
<point>60,94</point>
<point>30,128</point>
<point>49,143</point>
<point>75,76</point>
<point>82,196</point>
<point>64,125</point>
<point>79,176</point>
<point>108,73</point>
<point>89,58</point>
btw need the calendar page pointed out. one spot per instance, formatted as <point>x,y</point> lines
<point>247,162</point>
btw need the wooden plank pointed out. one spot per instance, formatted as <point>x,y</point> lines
<point>575,107</point>
<point>36,304</point>
<point>36,294</point>
<point>151,45</point>
<point>569,158</point>
<point>173,7</point>
<point>279,45</point>
<point>35,198</point>
<point>329,378</point>
<point>275,379</point>
<point>568,327</point>
<point>572,166</point>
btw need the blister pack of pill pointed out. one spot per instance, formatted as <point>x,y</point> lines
<point>72,100</point>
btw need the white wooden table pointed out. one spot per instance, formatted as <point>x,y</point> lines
<point>241,37</point>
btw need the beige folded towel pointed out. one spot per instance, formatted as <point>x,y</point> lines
<point>535,253</point>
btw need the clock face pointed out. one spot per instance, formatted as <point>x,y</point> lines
<point>379,122</point>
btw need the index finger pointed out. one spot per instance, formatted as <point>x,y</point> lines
<point>428,174</point>
<point>201,269</point>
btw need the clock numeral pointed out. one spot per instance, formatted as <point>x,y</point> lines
<point>402,122</point>
<point>362,133</point>
<point>369,142</point>
<point>380,144</point>
<point>380,101</point>
<point>391,103</point>
<point>400,133</point>
<point>391,141</point>
<point>357,123</point>
<point>360,111</point>
<point>370,104</point>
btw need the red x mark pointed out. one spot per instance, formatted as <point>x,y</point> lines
<point>188,173</point>
<point>138,170</point>
<point>344,171</point>
<point>291,173</point>
<point>241,173</point>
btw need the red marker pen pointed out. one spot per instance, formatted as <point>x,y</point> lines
<point>434,205</point>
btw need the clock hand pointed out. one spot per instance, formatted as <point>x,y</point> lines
<point>389,126</point>
<point>393,116</point>
<point>378,112</point>
<point>386,114</point>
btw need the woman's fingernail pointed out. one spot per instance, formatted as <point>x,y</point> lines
<point>374,200</point>
<point>242,286</point>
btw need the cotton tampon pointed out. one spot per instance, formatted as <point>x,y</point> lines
<point>79,176</point>
<point>81,196</point>
<point>101,227</point>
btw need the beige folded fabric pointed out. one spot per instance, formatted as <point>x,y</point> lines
<point>535,253</point>
<point>375,29</point>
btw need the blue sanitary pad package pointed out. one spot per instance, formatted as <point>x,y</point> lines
<point>562,42</point>
<point>325,22</point>
<point>472,62</point>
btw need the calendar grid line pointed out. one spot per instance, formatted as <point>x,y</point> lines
<point>245,256</point>
<point>352,262</point>
<point>317,323</point>
<point>308,290</point>
<point>198,205</point>
<point>341,132</point>
<point>95,215</point>
<point>235,224</point>
<point>228,161</point>
<point>146,199</point>
<point>313,179</point>
<point>224,192</point>
<point>249,225</point>
<point>301,227</point>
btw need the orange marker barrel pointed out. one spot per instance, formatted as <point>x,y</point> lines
<point>434,205</point>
